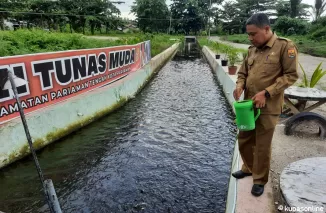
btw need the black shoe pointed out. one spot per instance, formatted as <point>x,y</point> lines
<point>257,190</point>
<point>240,174</point>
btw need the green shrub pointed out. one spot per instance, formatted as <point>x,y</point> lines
<point>321,22</point>
<point>228,52</point>
<point>213,31</point>
<point>290,31</point>
<point>117,32</point>
<point>233,56</point>
<point>286,25</point>
<point>220,30</point>
<point>36,41</point>
<point>319,34</point>
<point>203,33</point>
<point>238,38</point>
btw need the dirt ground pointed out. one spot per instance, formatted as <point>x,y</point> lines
<point>305,143</point>
<point>287,149</point>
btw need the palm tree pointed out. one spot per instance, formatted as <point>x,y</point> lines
<point>319,9</point>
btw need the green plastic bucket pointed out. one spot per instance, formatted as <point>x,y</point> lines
<point>245,115</point>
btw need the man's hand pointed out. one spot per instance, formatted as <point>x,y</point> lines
<point>260,99</point>
<point>237,93</point>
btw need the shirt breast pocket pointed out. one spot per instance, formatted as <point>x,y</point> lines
<point>271,64</point>
<point>250,63</point>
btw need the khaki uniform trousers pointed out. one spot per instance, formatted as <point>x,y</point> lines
<point>255,148</point>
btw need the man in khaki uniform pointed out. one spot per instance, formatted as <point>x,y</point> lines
<point>269,68</point>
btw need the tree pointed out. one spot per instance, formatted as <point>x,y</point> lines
<point>55,14</point>
<point>188,16</point>
<point>293,8</point>
<point>42,6</point>
<point>250,7</point>
<point>178,8</point>
<point>193,15</point>
<point>152,15</point>
<point>12,6</point>
<point>237,13</point>
<point>4,6</point>
<point>283,8</point>
<point>319,9</point>
<point>288,26</point>
<point>231,16</point>
<point>217,15</point>
<point>298,9</point>
<point>208,11</point>
<point>193,20</point>
<point>304,11</point>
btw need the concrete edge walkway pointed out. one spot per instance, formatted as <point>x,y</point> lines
<point>239,199</point>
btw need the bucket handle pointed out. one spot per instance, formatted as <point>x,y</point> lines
<point>258,113</point>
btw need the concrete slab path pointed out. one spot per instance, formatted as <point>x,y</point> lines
<point>104,37</point>
<point>246,202</point>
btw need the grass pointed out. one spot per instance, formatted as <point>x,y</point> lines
<point>239,38</point>
<point>220,48</point>
<point>304,44</point>
<point>22,42</point>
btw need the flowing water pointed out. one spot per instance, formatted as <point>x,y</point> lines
<point>167,150</point>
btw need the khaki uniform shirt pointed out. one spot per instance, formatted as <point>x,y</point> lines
<point>272,68</point>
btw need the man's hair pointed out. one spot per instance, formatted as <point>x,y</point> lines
<point>258,19</point>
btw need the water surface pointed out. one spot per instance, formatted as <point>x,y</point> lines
<point>168,150</point>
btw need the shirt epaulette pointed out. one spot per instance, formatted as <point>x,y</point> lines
<point>289,41</point>
<point>282,38</point>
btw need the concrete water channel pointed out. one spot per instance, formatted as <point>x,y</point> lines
<point>167,150</point>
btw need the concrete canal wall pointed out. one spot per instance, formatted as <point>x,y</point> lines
<point>52,123</point>
<point>228,83</point>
